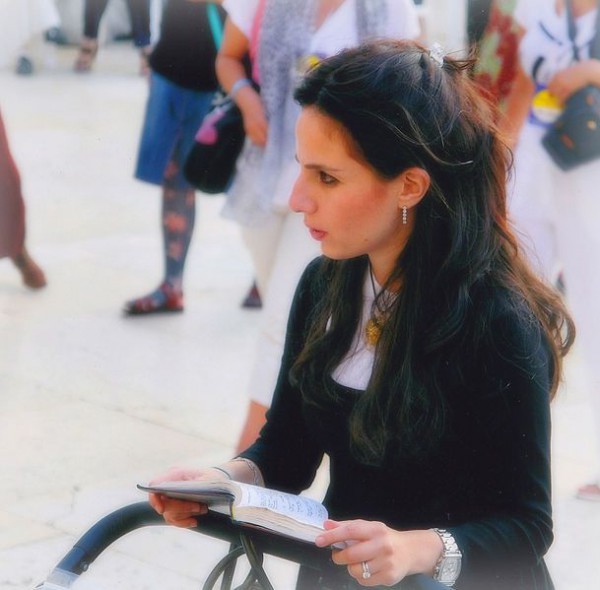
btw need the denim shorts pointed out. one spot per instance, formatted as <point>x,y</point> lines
<point>173,115</point>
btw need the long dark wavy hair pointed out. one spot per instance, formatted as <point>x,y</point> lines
<point>401,108</point>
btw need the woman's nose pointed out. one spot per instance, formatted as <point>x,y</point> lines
<point>299,200</point>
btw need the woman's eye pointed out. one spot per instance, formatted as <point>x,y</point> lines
<point>326,178</point>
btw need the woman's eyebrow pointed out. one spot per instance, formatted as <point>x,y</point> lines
<point>317,166</point>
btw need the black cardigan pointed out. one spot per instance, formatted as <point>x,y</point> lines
<point>488,482</point>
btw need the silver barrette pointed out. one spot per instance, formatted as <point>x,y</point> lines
<point>437,53</point>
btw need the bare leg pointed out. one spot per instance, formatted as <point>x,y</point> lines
<point>255,420</point>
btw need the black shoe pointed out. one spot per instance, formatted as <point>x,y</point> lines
<point>56,35</point>
<point>252,299</point>
<point>24,66</point>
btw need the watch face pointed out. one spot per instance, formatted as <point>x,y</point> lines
<point>449,569</point>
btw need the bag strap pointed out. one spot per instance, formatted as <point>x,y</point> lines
<point>216,26</point>
<point>572,31</point>
<point>254,41</point>
<point>595,45</point>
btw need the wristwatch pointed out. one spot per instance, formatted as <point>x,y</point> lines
<point>447,568</point>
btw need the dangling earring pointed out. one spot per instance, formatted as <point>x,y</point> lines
<point>404,215</point>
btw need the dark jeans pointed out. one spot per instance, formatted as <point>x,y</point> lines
<point>139,12</point>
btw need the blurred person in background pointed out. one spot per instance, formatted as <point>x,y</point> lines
<point>556,211</point>
<point>12,218</point>
<point>284,38</point>
<point>139,12</point>
<point>496,49</point>
<point>23,24</point>
<point>182,85</point>
<point>478,16</point>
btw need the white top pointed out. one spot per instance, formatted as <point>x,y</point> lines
<point>547,39</point>
<point>338,31</point>
<point>356,368</point>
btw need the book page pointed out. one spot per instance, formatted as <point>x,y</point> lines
<point>298,508</point>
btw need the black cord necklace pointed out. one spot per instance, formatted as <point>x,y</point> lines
<point>374,325</point>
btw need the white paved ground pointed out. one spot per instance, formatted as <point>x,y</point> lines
<point>91,403</point>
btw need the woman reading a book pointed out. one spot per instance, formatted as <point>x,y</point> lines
<point>422,352</point>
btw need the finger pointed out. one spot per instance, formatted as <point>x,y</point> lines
<point>183,506</point>
<point>171,474</point>
<point>356,553</point>
<point>184,518</point>
<point>358,572</point>
<point>182,521</point>
<point>330,524</point>
<point>345,532</point>
<point>157,502</point>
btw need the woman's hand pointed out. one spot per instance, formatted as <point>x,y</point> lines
<point>230,69</point>
<point>253,113</point>
<point>568,81</point>
<point>181,513</point>
<point>389,555</point>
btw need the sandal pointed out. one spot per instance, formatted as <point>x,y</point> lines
<point>589,492</point>
<point>164,300</point>
<point>86,56</point>
<point>33,276</point>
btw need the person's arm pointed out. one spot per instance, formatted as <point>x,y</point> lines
<point>518,101</point>
<point>517,107</point>
<point>232,76</point>
<point>568,81</point>
<point>508,430</point>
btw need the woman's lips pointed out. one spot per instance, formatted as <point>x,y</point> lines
<point>317,234</point>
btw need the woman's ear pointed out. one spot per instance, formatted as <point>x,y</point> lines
<point>413,186</point>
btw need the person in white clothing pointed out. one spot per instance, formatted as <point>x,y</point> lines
<point>556,211</point>
<point>284,38</point>
<point>22,23</point>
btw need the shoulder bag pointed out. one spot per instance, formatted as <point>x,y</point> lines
<point>210,164</point>
<point>574,138</point>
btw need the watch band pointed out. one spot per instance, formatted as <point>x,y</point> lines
<point>448,566</point>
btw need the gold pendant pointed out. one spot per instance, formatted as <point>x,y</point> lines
<point>372,331</point>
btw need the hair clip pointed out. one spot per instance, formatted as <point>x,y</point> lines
<point>437,53</point>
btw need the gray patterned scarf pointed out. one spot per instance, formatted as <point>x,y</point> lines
<point>285,36</point>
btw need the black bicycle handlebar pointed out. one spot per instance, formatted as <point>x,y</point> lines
<point>134,516</point>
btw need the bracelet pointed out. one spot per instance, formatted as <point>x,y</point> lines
<point>238,85</point>
<point>223,471</point>
<point>256,474</point>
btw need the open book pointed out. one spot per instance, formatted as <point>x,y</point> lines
<point>286,514</point>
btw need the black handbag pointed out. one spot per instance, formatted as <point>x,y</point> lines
<point>210,165</point>
<point>574,138</point>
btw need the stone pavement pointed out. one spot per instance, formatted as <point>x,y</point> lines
<point>92,403</point>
